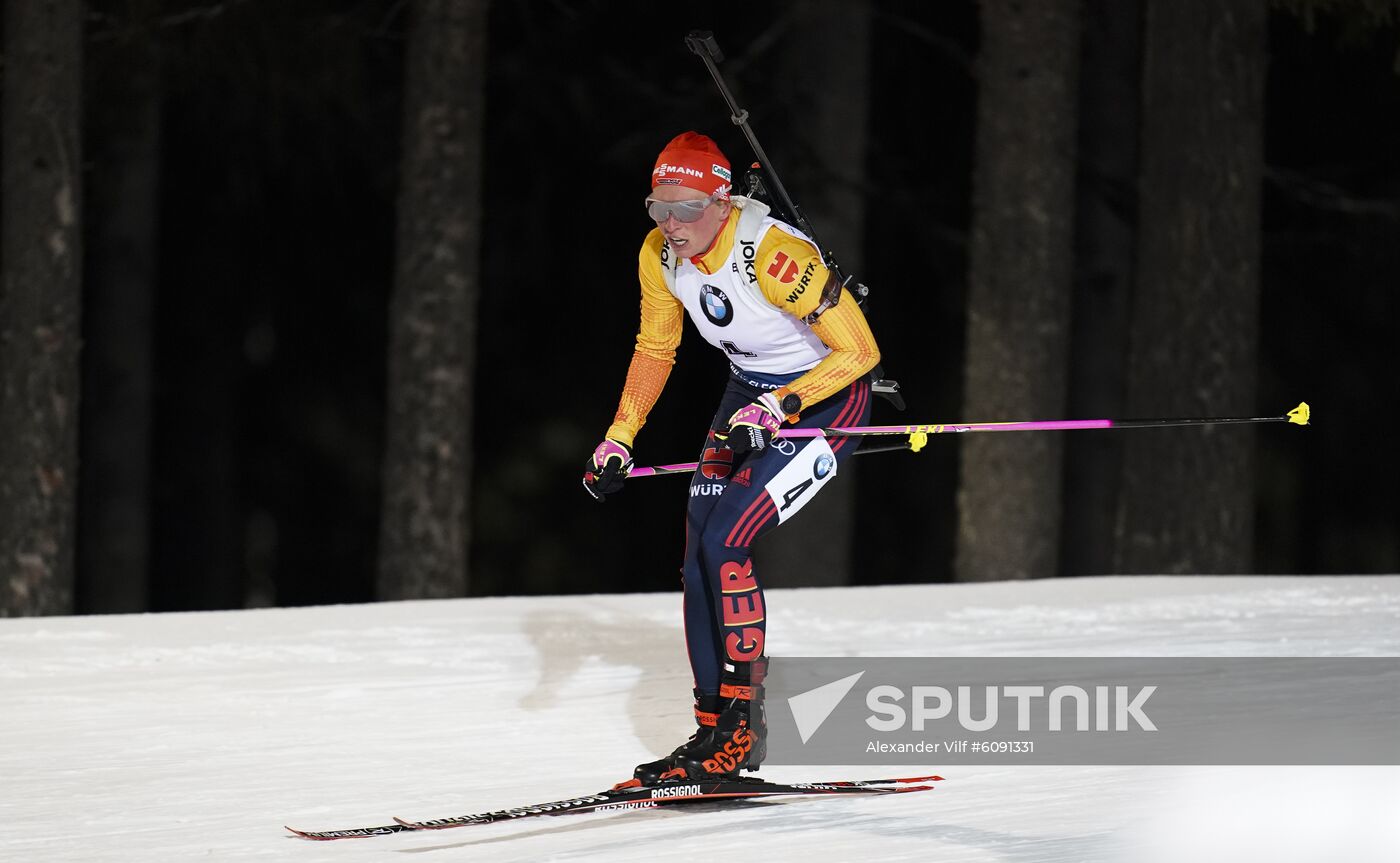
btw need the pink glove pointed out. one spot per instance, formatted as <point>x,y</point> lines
<point>607,469</point>
<point>752,426</point>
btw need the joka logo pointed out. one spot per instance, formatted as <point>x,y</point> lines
<point>749,252</point>
<point>716,306</point>
<point>811,708</point>
<point>784,269</point>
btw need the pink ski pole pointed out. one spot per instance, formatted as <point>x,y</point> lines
<point>918,434</point>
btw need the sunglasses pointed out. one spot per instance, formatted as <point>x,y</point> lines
<point>683,211</point>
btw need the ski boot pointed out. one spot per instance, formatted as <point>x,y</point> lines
<point>739,740</point>
<point>707,708</point>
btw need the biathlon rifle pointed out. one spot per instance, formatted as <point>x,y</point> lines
<point>702,43</point>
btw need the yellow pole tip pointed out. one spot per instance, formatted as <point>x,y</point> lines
<point>1300,415</point>
<point>917,441</point>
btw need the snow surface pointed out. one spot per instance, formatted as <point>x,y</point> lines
<point>197,736</point>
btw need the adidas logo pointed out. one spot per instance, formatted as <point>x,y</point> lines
<point>744,477</point>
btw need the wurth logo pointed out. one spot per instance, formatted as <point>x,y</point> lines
<point>802,285</point>
<point>784,269</point>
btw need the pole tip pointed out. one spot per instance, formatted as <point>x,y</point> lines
<point>702,43</point>
<point>1300,415</point>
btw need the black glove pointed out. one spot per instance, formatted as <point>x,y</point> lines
<point>752,426</point>
<point>607,469</point>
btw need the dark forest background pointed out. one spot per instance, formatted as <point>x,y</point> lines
<point>250,179</point>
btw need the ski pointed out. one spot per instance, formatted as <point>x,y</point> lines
<point>636,796</point>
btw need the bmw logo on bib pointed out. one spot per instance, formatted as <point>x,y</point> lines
<point>716,306</point>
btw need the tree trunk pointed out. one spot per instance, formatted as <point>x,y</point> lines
<point>123,143</point>
<point>1105,249</point>
<point>1188,498</point>
<point>831,101</point>
<point>424,530</point>
<point>40,304</point>
<point>1019,287</point>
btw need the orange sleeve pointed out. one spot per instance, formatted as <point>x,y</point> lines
<point>657,337</point>
<point>791,275</point>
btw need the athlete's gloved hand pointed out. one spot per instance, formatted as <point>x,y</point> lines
<point>607,469</point>
<point>752,426</point>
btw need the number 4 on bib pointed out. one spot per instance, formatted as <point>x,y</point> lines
<point>804,475</point>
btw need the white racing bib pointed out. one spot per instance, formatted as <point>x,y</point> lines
<point>804,475</point>
<point>729,308</point>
